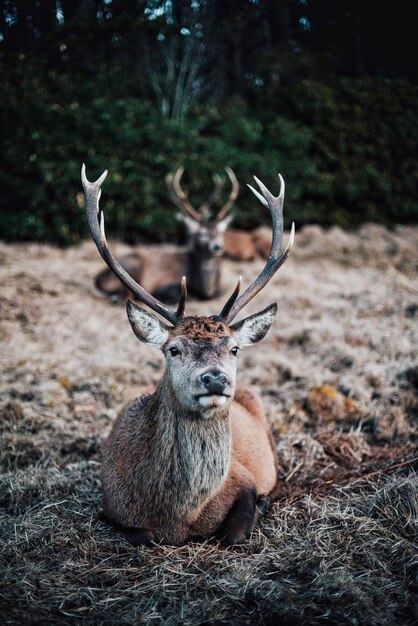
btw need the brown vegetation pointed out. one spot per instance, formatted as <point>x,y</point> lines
<point>338,377</point>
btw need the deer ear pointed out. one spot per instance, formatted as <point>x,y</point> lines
<point>191,225</point>
<point>223,224</point>
<point>146,326</point>
<point>255,327</point>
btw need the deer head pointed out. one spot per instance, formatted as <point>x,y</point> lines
<point>205,234</point>
<point>201,352</point>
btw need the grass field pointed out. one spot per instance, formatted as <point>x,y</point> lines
<point>338,374</point>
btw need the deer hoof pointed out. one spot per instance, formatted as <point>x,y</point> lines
<point>234,539</point>
<point>264,504</point>
<point>139,536</point>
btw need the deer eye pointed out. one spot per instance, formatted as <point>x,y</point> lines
<point>234,350</point>
<point>174,351</point>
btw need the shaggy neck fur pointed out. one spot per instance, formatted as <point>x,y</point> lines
<point>203,274</point>
<point>193,452</point>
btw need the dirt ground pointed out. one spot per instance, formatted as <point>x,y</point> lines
<point>338,374</point>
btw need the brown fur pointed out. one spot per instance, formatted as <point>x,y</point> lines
<point>200,262</point>
<point>151,275</point>
<point>201,328</point>
<point>172,473</point>
<point>242,245</point>
<point>203,271</point>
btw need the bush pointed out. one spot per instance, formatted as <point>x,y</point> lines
<point>346,151</point>
<point>363,148</point>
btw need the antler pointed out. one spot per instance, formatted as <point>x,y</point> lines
<point>232,196</point>
<point>275,259</point>
<point>179,197</point>
<point>219,183</point>
<point>92,192</point>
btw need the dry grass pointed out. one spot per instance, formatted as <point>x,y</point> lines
<point>345,558</point>
<point>338,375</point>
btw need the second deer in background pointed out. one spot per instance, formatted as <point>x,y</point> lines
<point>239,245</point>
<point>200,261</point>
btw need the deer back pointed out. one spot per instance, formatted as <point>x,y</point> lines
<point>240,245</point>
<point>160,279</point>
<point>202,261</point>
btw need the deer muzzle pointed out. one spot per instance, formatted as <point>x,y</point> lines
<point>214,381</point>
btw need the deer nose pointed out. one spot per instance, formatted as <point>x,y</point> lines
<point>216,248</point>
<point>214,380</point>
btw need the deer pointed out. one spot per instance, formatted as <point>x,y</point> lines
<point>196,458</point>
<point>238,245</point>
<point>242,245</point>
<point>201,261</point>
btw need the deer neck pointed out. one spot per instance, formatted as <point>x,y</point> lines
<point>194,451</point>
<point>203,274</point>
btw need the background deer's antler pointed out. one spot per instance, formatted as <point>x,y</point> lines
<point>219,182</point>
<point>179,197</point>
<point>232,196</point>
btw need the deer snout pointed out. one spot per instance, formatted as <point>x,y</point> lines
<point>214,381</point>
<point>216,248</point>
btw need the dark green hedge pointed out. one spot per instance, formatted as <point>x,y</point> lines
<point>347,151</point>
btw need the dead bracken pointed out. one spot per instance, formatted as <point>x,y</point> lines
<point>326,403</point>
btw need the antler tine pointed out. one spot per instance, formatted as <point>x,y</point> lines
<point>275,259</point>
<point>219,183</point>
<point>183,296</point>
<point>169,183</point>
<point>92,193</point>
<point>179,197</point>
<point>170,188</point>
<point>232,196</point>
<point>228,306</point>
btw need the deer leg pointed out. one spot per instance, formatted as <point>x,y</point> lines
<point>241,518</point>
<point>264,504</point>
<point>135,536</point>
<point>139,536</point>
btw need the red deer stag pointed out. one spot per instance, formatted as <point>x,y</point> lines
<point>200,261</point>
<point>196,458</point>
<point>239,245</point>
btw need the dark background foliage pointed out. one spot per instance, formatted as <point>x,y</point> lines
<point>324,92</point>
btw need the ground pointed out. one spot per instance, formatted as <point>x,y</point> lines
<point>338,375</point>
